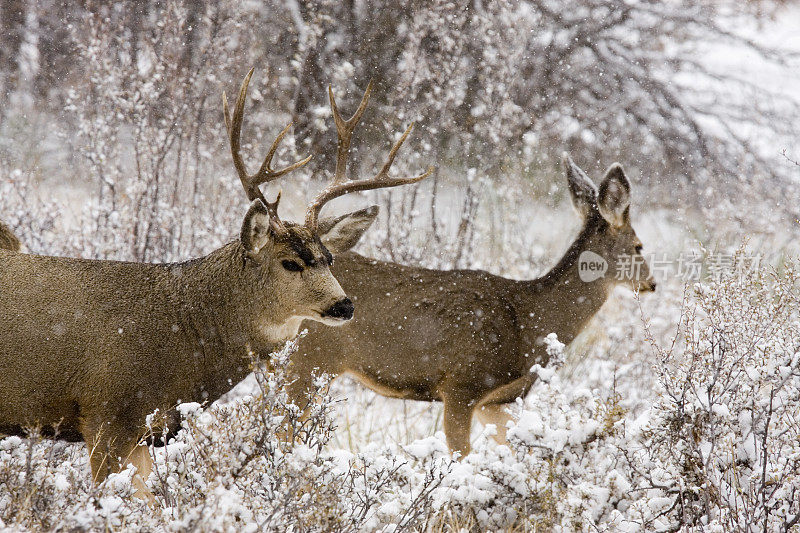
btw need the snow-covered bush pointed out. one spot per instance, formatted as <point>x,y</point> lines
<point>256,462</point>
<point>719,449</point>
<point>559,471</point>
<point>722,445</point>
<point>498,90</point>
<point>46,486</point>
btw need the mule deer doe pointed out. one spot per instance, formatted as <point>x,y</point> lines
<point>8,241</point>
<point>93,347</point>
<point>465,337</point>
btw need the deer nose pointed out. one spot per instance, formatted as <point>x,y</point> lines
<point>342,309</point>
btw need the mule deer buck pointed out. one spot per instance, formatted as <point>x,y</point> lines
<point>8,241</point>
<point>93,347</point>
<point>468,338</point>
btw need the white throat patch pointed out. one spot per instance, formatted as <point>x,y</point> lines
<point>276,333</point>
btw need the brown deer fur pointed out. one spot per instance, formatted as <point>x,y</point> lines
<point>466,337</point>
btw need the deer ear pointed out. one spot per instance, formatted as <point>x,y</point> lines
<point>614,197</point>
<point>257,228</point>
<point>342,233</point>
<point>581,188</point>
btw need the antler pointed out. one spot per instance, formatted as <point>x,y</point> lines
<point>340,184</point>
<point>266,173</point>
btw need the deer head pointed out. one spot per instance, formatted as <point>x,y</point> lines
<point>298,256</point>
<point>605,212</point>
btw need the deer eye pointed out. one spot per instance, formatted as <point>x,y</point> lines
<point>291,266</point>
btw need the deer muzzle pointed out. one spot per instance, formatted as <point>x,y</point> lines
<point>342,310</point>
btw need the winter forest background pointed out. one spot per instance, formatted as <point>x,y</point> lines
<point>676,411</point>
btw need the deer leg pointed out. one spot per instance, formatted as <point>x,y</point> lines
<point>94,436</point>
<point>457,424</point>
<point>111,450</point>
<point>497,414</point>
<point>139,457</point>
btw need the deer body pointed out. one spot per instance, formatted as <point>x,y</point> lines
<point>463,337</point>
<point>463,323</point>
<point>88,342</point>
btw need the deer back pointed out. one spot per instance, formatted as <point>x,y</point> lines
<point>416,328</point>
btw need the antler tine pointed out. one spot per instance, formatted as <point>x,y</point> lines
<point>381,180</point>
<point>265,173</point>
<point>393,152</point>
<point>234,127</point>
<point>344,130</point>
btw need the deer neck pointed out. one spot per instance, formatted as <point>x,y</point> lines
<point>561,302</point>
<point>224,318</point>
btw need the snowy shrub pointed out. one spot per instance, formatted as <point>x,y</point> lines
<point>46,486</point>
<point>498,90</point>
<point>718,449</point>
<point>34,223</point>
<point>150,176</point>
<point>256,462</point>
<point>564,468</point>
<point>722,446</point>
